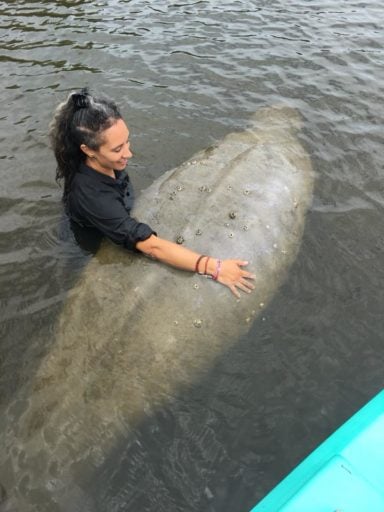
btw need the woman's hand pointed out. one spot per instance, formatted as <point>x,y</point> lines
<point>229,272</point>
<point>232,275</point>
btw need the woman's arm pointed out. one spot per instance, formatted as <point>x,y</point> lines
<point>227,272</point>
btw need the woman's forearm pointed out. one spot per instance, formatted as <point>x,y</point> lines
<point>227,272</point>
<point>169,252</point>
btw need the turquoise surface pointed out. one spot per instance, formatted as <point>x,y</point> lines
<point>344,474</point>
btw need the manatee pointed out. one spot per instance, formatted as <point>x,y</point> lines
<point>133,332</point>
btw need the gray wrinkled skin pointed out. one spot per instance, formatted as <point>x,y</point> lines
<point>135,332</point>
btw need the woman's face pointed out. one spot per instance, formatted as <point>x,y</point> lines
<point>114,152</point>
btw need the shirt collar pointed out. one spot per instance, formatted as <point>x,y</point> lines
<point>120,175</point>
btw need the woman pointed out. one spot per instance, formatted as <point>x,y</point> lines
<point>91,144</point>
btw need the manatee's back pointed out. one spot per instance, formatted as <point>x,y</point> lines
<point>245,198</point>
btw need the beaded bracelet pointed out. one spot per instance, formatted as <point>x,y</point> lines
<point>215,276</point>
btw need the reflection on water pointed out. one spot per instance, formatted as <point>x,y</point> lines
<point>187,73</point>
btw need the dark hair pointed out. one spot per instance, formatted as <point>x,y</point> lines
<point>81,119</point>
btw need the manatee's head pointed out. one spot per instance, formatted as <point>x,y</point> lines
<point>278,118</point>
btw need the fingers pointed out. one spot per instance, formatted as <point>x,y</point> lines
<point>237,279</point>
<point>247,285</point>
<point>240,286</point>
<point>244,273</point>
<point>234,291</point>
<point>241,263</point>
<point>247,275</point>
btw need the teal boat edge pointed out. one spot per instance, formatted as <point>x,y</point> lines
<point>343,474</point>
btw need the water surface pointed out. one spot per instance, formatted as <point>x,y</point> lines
<point>185,74</point>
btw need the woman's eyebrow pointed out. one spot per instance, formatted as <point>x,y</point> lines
<point>119,145</point>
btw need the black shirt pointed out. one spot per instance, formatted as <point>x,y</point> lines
<point>99,201</point>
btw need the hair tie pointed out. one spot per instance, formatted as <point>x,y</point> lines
<point>80,99</point>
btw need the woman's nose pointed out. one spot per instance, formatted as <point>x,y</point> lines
<point>127,152</point>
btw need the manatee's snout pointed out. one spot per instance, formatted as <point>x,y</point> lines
<point>277,117</point>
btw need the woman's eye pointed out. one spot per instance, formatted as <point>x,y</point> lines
<point>117,150</point>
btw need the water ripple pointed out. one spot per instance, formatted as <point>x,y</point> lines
<point>186,73</point>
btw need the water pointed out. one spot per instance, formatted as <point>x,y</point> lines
<point>185,74</point>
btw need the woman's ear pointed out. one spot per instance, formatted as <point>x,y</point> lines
<point>85,149</point>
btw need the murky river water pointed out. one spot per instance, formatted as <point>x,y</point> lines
<point>185,74</point>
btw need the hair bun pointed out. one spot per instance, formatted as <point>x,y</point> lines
<point>81,99</point>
